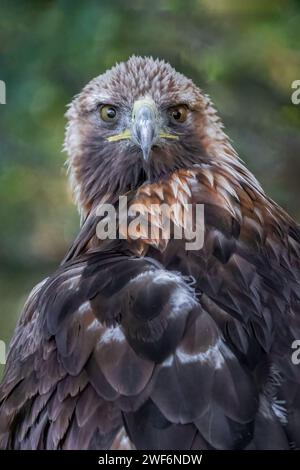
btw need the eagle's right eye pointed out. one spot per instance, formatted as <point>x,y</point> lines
<point>108,113</point>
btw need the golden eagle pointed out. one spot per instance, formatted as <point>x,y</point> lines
<point>137,342</point>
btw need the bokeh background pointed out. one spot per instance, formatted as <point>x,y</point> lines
<point>245,54</point>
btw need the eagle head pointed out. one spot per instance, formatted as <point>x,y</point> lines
<point>137,123</point>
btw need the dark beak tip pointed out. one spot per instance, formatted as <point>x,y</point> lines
<point>146,153</point>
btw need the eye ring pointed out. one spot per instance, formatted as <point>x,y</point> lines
<point>179,113</point>
<point>108,113</point>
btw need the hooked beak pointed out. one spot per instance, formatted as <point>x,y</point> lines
<point>144,125</point>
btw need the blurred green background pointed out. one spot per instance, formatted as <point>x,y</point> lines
<point>245,54</point>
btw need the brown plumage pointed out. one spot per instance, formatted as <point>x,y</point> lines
<point>137,342</point>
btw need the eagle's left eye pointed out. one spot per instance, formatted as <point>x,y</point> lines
<point>179,113</point>
<point>108,113</point>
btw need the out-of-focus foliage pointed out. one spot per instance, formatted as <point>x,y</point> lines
<point>244,54</point>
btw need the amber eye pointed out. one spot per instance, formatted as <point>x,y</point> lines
<point>179,113</point>
<point>108,113</point>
